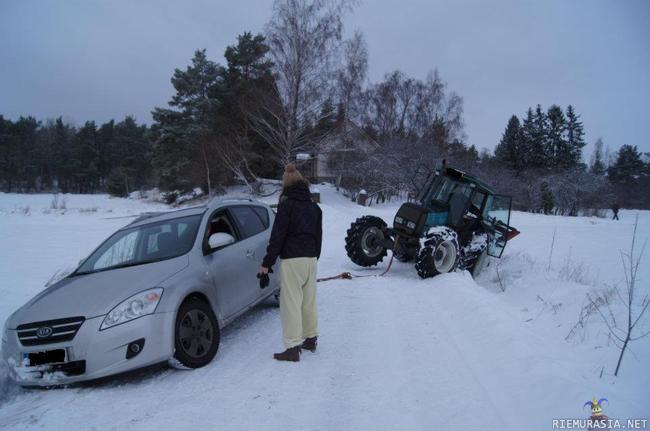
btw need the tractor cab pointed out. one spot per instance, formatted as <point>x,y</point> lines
<point>464,203</point>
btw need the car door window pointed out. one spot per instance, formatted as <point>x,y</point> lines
<point>248,221</point>
<point>220,222</point>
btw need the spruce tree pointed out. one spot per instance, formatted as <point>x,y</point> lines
<point>574,137</point>
<point>598,166</point>
<point>509,151</point>
<point>628,166</point>
<point>539,155</point>
<point>546,197</point>
<point>527,135</point>
<point>557,148</point>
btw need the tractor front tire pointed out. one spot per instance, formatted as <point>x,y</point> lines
<point>480,263</point>
<point>365,241</point>
<point>407,251</point>
<point>439,255</point>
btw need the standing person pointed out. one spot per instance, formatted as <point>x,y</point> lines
<point>615,208</point>
<point>296,238</point>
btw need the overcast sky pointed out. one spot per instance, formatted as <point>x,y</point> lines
<point>96,60</point>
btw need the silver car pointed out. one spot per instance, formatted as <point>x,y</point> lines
<point>158,289</point>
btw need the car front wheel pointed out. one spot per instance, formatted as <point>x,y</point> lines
<point>196,333</point>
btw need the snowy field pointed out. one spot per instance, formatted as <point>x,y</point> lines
<point>507,352</point>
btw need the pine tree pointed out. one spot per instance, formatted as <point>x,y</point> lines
<point>249,85</point>
<point>509,150</point>
<point>85,158</point>
<point>62,136</point>
<point>574,137</point>
<point>185,134</point>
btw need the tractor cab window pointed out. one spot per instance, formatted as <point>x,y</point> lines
<point>499,209</point>
<point>498,221</point>
<point>448,188</point>
<point>477,202</point>
<point>430,184</point>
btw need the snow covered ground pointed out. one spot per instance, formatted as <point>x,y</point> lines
<point>504,352</point>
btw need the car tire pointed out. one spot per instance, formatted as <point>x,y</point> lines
<point>196,333</point>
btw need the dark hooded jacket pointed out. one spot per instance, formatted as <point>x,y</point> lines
<point>297,229</point>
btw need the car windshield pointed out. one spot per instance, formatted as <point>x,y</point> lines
<point>148,243</point>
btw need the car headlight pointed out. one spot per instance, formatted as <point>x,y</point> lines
<point>138,305</point>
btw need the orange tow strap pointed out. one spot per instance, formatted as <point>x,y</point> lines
<point>350,276</point>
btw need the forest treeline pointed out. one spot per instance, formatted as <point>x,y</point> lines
<point>288,91</point>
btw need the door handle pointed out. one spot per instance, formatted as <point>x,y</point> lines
<point>250,254</point>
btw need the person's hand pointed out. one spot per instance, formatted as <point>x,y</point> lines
<point>263,275</point>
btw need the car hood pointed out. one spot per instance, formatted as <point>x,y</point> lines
<point>95,294</point>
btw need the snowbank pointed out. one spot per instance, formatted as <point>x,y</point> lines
<point>509,351</point>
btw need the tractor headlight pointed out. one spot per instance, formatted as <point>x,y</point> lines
<point>138,305</point>
<point>410,225</point>
<point>399,219</point>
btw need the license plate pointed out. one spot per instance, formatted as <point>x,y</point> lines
<point>56,356</point>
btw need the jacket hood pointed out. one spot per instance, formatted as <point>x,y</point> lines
<point>298,191</point>
<point>95,294</point>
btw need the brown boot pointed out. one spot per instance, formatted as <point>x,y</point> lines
<point>310,344</point>
<point>292,354</point>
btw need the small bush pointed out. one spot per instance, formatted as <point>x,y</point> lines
<point>116,183</point>
<point>170,197</point>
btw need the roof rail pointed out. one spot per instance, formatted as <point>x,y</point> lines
<point>148,215</point>
<point>230,198</point>
<point>151,214</point>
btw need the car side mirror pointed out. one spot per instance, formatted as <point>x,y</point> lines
<point>220,239</point>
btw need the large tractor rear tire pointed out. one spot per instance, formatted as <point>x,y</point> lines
<point>365,241</point>
<point>439,255</point>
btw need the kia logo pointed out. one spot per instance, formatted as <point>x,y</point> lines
<point>44,332</point>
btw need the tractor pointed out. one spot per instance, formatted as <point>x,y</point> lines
<point>455,222</point>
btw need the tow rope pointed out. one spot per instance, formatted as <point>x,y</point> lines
<point>350,276</point>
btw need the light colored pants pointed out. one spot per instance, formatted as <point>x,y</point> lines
<point>298,300</point>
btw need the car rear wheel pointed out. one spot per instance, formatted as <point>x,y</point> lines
<point>196,333</point>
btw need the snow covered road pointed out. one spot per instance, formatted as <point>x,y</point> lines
<point>395,352</point>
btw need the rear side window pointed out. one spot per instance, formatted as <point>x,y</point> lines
<point>249,222</point>
<point>263,215</point>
